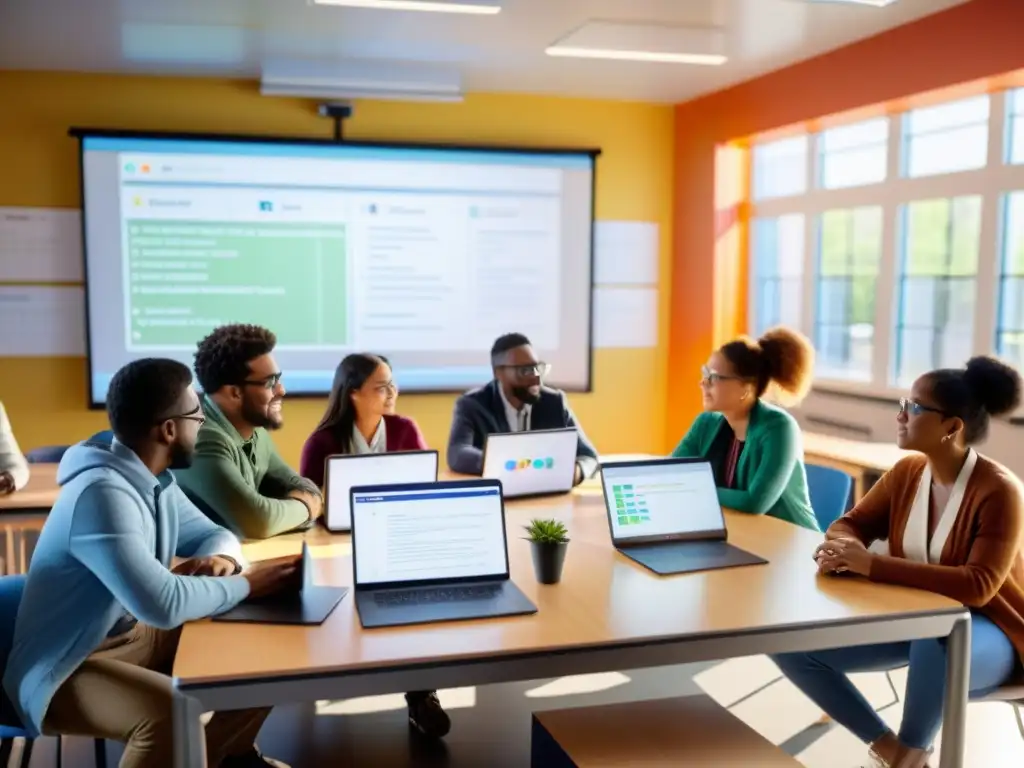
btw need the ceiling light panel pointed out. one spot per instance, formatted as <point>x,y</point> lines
<point>475,7</point>
<point>621,41</point>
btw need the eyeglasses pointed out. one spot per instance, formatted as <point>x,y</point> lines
<point>196,414</point>
<point>526,371</point>
<point>270,382</point>
<point>713,377</point>
<point>914,408</point>
<point>390,388</point>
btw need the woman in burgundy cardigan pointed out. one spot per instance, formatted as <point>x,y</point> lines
<point>360,417</point>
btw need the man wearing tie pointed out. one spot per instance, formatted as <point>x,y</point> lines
<point>514,401</point>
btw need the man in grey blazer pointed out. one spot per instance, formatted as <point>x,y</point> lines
<point>516,400</point>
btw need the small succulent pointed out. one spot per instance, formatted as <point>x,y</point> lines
<point>547,531</point>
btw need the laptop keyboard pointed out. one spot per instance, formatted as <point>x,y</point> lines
<point>401,597</point>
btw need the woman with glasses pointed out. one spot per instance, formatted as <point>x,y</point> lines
<point>755,448</point>
<point>953,519</point>
<point>360,417</point>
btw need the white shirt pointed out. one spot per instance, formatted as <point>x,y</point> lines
<point>518,419</point>
<point>378,442</point>
<point>11,458</point>
<point>915,535</point>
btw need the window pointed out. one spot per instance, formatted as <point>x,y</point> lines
<point>850,251</point>
<point>1015,135</point>
<point>946,138</point>
<point>853,155</point>
<point>935,323</point>
<point>1010,325</point>
<point>780,168</point>
<point>777,286</point>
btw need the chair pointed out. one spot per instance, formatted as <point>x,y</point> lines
<point>106,437</point>
<point>829,490</point>
<point>46,454</point>
<point>11,588</point>
<point>1012,695</point>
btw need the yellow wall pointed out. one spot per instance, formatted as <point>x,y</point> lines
<point>45,397</point>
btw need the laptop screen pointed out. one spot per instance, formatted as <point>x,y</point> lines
<point>428,532</point>
<point>343,472</point>
<point>662,499</point>
<point>540,461</point>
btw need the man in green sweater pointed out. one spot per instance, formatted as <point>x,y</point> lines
<point>237,476</point>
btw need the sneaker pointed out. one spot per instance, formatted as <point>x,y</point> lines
<point>426,714</point>
<point>251,759</point>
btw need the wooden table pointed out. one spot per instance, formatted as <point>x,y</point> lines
<point>607,614</point>
<point>25,511</point>
<point>864,462</point>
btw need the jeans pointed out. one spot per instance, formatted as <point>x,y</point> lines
<point>822,678</point>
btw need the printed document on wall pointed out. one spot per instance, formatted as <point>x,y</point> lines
<point>42,321</point>
<point>40,245</point>
<point>625,253</point>
<point>625,317</point>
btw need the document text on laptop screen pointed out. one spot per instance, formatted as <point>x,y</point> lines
<point>428,534</point>
<point>661,499</point>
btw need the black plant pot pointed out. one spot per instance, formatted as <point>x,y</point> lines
<point>548,559</point>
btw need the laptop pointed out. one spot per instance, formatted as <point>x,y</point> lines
<point>664,514</point>
<point>432,552</point>
<point>533,463</point>
<point>342,471</point>
<point>312,604</point>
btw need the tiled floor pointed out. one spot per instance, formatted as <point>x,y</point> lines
<point>492,724</point>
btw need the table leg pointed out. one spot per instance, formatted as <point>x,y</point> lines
<point>954,711</point>
<point>189,751</point>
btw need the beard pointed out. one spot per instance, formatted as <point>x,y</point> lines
<point>260,418</point>
<point>181,456</point>
<point>524,395</point>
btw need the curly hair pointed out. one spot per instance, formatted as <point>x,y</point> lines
<point>142,393</point>
<point>223,357</point>
<point>782,358</point>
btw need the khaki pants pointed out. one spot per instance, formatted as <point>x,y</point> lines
<point>123,692</point>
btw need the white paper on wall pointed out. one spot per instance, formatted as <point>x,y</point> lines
<point>625,317</point>
<point>42,321</point>
<point>625,253</point>
<point>40,245</point>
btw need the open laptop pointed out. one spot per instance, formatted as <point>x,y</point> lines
<point>532,463</point>
<point>342,471</point>
<point>665,515</point>
<point>312,604</point>
<point>432,552</point>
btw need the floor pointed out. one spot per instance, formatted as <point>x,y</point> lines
<point>491,725</point>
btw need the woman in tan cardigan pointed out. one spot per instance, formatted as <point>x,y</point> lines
<point>953,519</point>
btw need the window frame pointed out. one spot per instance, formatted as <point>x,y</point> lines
<point>993,182</point>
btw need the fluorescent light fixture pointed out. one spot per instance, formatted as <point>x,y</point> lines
<point>360,79</point>
<point>482,8</point>
<point>872,3</point>
<point>705,59</point>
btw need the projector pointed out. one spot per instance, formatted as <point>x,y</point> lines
<point>337,110</point>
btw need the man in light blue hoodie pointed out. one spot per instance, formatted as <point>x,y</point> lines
<point>103,606</point>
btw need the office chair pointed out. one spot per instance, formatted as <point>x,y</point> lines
<point>46,454</point>
<point>11,588</point>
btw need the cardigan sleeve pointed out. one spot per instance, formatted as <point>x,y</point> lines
<point>315,451</point>
<point>993,550</point>
<point>780,453</point>
<point>868,521</point>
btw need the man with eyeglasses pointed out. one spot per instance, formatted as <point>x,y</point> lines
<point>237,476</point>
<point>516,400</point>
<point>123,562</point>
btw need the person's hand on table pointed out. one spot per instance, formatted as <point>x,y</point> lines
<point>275,576</point>
<point>845,555</point>
<point>313,501</point>
<point>206,566</point>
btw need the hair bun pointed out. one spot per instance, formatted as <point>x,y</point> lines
<point>995,385</point>
<point>788,358</point>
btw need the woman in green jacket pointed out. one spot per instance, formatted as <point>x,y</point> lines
<point>755,449</point>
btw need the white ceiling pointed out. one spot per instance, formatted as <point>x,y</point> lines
<point>491,53</point>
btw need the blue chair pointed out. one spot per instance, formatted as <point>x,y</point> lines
<point>829,490</point>
<point>11,588</point>
<point>106,437</point>
<point>46,454</point>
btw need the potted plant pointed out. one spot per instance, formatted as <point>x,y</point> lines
<point>549,541</point>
